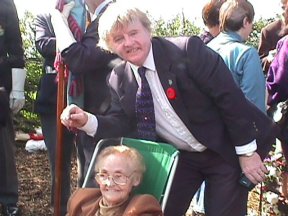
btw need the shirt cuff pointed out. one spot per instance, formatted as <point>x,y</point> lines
<point>91,125</point>
<point>250,147</point>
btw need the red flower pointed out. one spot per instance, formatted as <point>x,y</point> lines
<point>171,93</point>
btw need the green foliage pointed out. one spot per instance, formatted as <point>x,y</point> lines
<point>255,34</point>
<point>178,26</point>
<point>26,119</point>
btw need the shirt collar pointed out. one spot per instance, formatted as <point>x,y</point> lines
<point>99,9</point>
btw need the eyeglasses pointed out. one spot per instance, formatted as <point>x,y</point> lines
<point>118,178</point>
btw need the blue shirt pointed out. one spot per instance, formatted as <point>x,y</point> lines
<point>244,64</point>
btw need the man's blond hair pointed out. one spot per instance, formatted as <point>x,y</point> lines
<point>117,16</point>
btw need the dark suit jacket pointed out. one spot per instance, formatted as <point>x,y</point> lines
<point>11,51</point>
<point>270,35</point>
<point>95,64</point>
<point>45,40</point>
<point>208,101</point>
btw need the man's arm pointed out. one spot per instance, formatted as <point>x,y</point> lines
<point>90,57</point>
<point>45,39</point>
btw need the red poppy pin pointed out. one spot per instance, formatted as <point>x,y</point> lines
<point>171,93</point>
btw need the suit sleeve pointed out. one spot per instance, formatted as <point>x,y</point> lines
<point>13,37</point>
<point>277,77</point>
<point>216,81</point>
<point>44,38</point>
<point>115,123</point>
<point>85,55</point>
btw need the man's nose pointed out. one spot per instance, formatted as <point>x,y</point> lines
<point>127,41</point>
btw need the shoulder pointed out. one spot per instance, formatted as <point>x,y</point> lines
<point>143,204</point>
<point>81,197</point>
<point>273,26</point>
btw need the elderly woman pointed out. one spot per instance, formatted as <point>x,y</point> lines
<point>118,170</point>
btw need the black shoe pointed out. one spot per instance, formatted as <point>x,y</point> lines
<point>10,210</point>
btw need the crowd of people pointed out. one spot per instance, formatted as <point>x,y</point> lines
<point>123,78</point>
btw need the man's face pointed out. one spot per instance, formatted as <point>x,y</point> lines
<point>131,42</point>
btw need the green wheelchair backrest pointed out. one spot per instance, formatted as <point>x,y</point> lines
<point>159,159</point>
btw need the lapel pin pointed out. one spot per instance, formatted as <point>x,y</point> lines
<point>171,93</point>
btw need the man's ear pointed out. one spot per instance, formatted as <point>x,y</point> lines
<point>245,22</point>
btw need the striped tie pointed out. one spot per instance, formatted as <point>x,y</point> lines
<point>145,109</point>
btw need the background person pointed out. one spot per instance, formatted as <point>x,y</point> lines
<point>210,17</point>
<point>270,35</point>
<point>12,78</point>
<point>46,107</point>
<point>207,100</point>
<point>118,169</point>
<point>91,63</point>
<point>236,21</point>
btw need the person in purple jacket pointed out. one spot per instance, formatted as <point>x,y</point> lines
<point>277,82</point>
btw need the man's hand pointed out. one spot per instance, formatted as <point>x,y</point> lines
<point>74,117</point>
<point>253,168</point>
<point>17,97</point>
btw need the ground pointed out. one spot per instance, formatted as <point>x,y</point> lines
<point>34,180</point>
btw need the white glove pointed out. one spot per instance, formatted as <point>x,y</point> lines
<point>17,97</point>
<point>64,36</point>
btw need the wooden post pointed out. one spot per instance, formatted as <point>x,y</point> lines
<point>59,141</point>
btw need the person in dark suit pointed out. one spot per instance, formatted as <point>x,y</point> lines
<point>270,35</point>
<point>46,107</point>
<point>12,79</point>
<point>197,107</point>
<point>94,65</point>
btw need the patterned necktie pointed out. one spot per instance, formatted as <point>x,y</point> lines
<point>145,109</point>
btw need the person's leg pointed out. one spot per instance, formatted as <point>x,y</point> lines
<point>86,148</point>
<point>224,196</point>
<point>186,181</point>
<point>8,172</point>
<point>48,123</point>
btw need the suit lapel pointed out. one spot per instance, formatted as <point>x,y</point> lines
<point>167,70</point>
<point>128,88</point>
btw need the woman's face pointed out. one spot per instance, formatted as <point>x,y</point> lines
<point>118,167</point>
